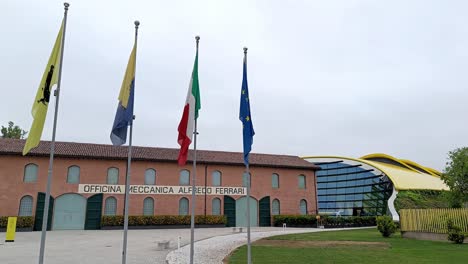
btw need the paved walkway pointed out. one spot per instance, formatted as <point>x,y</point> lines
<point>105,246</point>
<point>98,246</point>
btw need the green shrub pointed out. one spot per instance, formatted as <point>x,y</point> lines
<point>3,221</point>
<point>454,233</point>
<point>294,220</point>
<point>328,221</point>
<point>385,225</point>
<point>21,221</point>
<point>154,220</point>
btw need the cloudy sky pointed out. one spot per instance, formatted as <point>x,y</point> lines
<point>348,77</point>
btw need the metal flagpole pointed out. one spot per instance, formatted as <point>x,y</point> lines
<point>127,179</point>
<point>45,216</point>
<point>249,255</point>
<point>192,218</point>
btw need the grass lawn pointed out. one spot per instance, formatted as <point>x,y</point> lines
<point>312,249</point>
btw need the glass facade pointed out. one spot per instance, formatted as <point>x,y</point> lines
<point>346,188</point>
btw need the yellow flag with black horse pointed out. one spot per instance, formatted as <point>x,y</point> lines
<point>41,101</point>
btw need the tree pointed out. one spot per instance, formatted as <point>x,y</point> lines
<point>456,174</point>
<point>13,131</point>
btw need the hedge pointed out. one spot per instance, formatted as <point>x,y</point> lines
<point>155,220</point>
<point>326,221</point>
<point>21,221</point>
<point>295,220</point>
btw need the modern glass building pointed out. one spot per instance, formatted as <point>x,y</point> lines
<point>368,185</point>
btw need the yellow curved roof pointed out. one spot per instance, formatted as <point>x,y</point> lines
<point>436,172</point>
<point>419,167</point>
<point>385,156</point>
<point>403,178</point>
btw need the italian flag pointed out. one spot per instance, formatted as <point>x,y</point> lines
<point>190,114</point>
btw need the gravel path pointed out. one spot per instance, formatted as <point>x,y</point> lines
<point>214,250</point>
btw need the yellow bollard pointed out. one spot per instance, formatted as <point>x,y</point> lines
<point>11,229</point>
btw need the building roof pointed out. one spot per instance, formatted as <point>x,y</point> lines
<point>101,151</point>
<point>403,175</point>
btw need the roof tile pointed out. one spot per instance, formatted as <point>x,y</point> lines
<point>101,151</point>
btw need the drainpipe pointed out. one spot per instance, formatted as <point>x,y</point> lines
<point>316,193</point>
<point>206,173</point>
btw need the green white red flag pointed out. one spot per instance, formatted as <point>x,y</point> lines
<point>190,114</point>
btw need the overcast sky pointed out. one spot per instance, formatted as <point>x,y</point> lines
<point>346,77</point>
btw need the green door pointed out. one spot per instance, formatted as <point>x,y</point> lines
<point>94,212</point>
<point>241,212</point>
<point>40,212</point>
<point>264,208</point>
<point>230,210</point>
<point>69,212</point>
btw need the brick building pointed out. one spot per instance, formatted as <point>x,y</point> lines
<point>280,184</point>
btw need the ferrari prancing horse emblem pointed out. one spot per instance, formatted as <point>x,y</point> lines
<point>46,89</point>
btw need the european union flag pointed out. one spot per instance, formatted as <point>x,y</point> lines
<point>124,114</point>
<point>245,117</point>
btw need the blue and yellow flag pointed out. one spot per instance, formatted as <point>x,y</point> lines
<point>41,101</point>
<point>124,114</point>
<point>245,117</point>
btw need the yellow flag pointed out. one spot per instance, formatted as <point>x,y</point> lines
<point>128,79</point>
<point>41,101</point>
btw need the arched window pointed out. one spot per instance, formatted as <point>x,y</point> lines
<point>245,179</point>
<point>301,181</point>
<point>30,173</point>
<point>275,181</point>
<point>26,205</point>
<point>150,177</point>
<point>303,207</point>
<point>183,206</point>
<point>113,176</point>
<point>110,207</point>
<point>73,175</point>
<point>184,177</point>
<point>216,206</point>
<point>275,207</point>
<point>148,206</point>
<point>216,178</point>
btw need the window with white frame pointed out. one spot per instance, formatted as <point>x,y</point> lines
<point>113,176</point>
<point>183,206</point>
<point>26,205</point>
<point>30,173</point>
<point>73,175</point>
<point>148,206</point>
<point>150,177</point>
<point>216,178</point>
<point>184,177</point>
<point>110,206</point>
<point>216,206</point>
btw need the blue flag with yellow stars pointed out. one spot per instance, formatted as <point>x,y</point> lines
<point>245,117</point>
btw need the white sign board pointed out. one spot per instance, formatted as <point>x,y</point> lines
<point>157,189</point>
